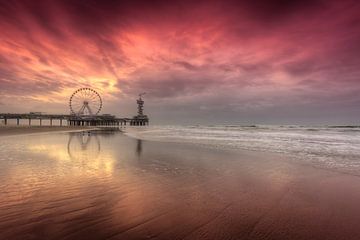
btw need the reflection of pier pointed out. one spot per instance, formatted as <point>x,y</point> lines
<point>138,147</point>
<point>83,146</point>
<point>85,104</point>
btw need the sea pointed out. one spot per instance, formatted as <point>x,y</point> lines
<point>335,148</point>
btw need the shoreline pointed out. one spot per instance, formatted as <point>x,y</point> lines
<point>155,187</point>
<point>287,157</point>
<point>7,131</point>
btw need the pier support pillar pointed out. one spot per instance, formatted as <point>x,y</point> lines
<point>17,121</point>
<point>5,121</point>
<point>60,122</point>
<point>50,121</point>
<point>40,121</point>
<point>29,121</point>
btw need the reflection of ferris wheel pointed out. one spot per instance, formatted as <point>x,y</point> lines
<point>83,146</point>
<point>85,101</point>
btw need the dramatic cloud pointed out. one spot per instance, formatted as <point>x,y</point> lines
<point>216,61</point>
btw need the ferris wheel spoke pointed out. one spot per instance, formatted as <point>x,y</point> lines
<point>89,95</point>
<point>77,107</point>
<point>93,100</point>
<point>86,93</point>
<point>94,96</point>
<point>75,99</point>
<point>81,93</point>
<point>76,104</point>
<point>90,92</point>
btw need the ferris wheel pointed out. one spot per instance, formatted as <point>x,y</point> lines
<point>85,102</point>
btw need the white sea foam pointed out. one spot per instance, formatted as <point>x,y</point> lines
<point>334,147</point>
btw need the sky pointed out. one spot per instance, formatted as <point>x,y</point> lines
<point>199,62</point>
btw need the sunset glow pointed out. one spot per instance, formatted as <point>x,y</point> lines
<point>283,59</point>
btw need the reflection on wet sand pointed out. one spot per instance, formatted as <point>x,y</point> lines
<point>92,186</point>
<point>139,147</point>
<point>83,146</point>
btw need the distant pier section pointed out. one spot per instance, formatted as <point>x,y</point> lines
<point>85,105</point>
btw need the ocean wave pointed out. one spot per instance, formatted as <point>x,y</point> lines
<point>326,146</point>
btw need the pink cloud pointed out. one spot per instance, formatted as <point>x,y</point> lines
<point>268,52</point>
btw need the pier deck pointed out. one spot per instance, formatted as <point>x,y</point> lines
<point>74,120</point>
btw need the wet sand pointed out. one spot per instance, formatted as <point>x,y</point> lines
<point>109,186</point>
<point>19,130</point>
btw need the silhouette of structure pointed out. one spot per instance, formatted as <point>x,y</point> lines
<point>140,119</point>
<point>85,101</point>
<point>85,104</point>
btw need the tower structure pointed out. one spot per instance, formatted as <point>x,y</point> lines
<point>140,104</point>
<point>140,119</point>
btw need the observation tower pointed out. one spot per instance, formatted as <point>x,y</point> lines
<point>140,119</point>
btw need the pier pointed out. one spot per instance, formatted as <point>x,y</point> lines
<point>80,117</point>
<point>71,120</point>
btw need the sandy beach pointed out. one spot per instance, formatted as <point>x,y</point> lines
<point>105,185</point>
